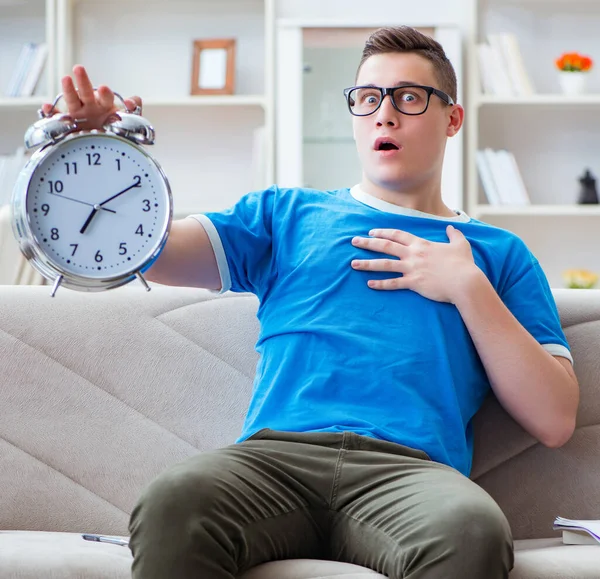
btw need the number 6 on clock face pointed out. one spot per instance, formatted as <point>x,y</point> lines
<point>97,210</point>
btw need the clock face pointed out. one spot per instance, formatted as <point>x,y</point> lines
<point>98,206</point>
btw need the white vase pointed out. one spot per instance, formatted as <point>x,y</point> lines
<point>573,83</point>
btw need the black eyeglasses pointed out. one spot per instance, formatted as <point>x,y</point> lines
<point>406,99</point>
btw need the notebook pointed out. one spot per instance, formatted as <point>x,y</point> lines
<point>578,532</point>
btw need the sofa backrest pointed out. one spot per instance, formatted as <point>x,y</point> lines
<point>102,392</point>
<point>532,483</point>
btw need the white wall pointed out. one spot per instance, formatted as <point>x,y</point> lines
<point>445,12</point>
<point>328,158</point>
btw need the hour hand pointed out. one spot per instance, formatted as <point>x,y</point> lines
<point>89,219</point>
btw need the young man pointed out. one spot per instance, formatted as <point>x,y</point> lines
<point>385,318</point>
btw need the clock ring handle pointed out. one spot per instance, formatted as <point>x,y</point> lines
<point>136,111</point>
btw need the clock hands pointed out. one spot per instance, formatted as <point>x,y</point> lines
<point>136,184</point>
<point>89,219</point>
<point>80,201</point>
<point>99,206</point>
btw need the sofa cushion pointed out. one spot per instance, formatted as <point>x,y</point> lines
<point>550,559</point>
<point>34,554</point>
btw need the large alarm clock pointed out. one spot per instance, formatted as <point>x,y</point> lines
<point>91,209</point>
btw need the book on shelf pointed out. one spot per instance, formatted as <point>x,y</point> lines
<point>28,70</point>
<point>501,177</point>
<point>502,68</point>
<point>578,532</point>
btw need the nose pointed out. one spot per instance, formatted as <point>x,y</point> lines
<point>386,114</point>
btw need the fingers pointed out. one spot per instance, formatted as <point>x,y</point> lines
<point>106,97</point>
<point>70,94</point>
<point>394,265</point>
<point>396,283</point>
<point>81,98</point>
<point>84,85</point>
<point>381,246</point>
<point>396,235</point>
<point>133,102</point>
<point>47,108</point>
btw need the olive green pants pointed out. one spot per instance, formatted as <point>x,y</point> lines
<point>341,497</point>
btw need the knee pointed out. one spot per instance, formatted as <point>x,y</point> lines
<point>478,534</point>
<point>189,486</point>
<point>482,523</point>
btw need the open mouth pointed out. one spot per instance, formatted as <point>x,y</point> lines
<point>384,144</point>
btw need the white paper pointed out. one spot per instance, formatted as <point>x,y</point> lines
<point>591,526</point>
<point>213,68</point>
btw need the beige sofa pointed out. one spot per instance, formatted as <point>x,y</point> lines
<point>101,392</point>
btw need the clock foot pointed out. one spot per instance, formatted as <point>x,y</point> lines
<point>143,280</point>
<point>56,285</point>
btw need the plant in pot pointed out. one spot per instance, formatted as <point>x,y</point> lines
<point>580,278</point>
<point>573,73</point>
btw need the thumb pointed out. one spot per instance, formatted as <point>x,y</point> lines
<point>132,102</point>
<point>454,234</point>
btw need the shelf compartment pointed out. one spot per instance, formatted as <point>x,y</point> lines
<point>537,210</point>
<point>555,100</point>
<point>209,100</point>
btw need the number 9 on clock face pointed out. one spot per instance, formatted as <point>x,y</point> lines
<point>98,209</point>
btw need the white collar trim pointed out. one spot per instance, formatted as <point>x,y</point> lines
<point>363,197</point>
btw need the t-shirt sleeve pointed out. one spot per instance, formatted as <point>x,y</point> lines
<point>528,296</point>
<point>241,237</point>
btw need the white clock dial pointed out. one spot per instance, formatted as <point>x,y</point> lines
<point>98,206</point>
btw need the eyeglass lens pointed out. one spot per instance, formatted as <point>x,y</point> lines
<point>410,100</point>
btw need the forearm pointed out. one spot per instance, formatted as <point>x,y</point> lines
<point>187,258</point>
<point>530,384</point>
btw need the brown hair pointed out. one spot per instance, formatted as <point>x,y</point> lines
<point>407,39</point>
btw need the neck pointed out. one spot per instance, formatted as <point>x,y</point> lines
<point>426,197</point>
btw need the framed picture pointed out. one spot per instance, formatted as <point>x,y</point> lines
<point>213,68</point>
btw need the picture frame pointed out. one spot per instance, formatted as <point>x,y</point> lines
<point>213,67</point>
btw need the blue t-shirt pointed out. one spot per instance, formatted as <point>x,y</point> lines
<point>336,355</point>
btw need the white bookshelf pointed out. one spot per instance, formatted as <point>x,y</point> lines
<point>553,137</point>
<point>209,101</point>
<point>145,47</point>
<point>22,102</point>
<point>552,100</point>
<point>537,210</point>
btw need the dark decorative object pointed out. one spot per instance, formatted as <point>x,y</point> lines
<point>588,193</point>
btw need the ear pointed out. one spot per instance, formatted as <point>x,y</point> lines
<point>455,120</point>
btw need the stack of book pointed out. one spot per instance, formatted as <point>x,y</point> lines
<point>28,70</point>
<point>578,532</point>
<point>501,178</point>
<point>501,67</point>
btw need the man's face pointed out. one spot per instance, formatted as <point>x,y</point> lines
<point>421,139</point>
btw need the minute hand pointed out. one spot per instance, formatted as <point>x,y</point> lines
<point>136,184</point>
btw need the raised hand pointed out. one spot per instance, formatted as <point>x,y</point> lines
<point>85,103</point>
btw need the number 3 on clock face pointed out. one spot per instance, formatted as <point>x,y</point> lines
<point>98,207</point>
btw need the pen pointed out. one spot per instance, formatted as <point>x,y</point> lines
<point>105,539</point>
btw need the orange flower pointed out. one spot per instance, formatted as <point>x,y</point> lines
<point>574,62</point>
